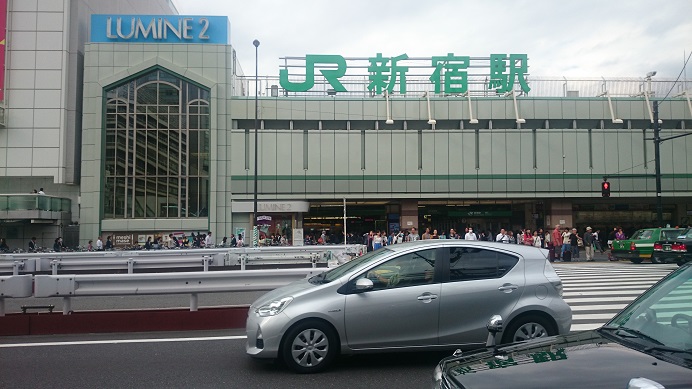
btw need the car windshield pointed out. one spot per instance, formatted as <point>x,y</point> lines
<point>339,271</point>
<point>661,318</point>
<point>685,234</point>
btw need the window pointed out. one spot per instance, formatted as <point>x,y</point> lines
<point>470,263</point>
<point>405,270</point>
<point>157,148</point>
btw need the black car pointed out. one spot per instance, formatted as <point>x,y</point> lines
<point>677,250</point>
<point>647,345</point>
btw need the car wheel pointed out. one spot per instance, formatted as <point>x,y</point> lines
<point>636,260</point>
<point>655,260</point>
<point>526,328</point>
<point>309,347</point>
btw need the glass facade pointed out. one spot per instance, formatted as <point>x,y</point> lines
<point>157,148</point>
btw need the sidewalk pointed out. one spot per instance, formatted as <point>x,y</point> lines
<point>597,256</point>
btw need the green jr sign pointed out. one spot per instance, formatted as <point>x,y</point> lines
<point>449,75</point>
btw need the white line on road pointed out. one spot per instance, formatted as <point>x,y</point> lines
<point>122,341</point>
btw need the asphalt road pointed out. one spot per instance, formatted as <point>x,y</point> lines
<point>195,363</point>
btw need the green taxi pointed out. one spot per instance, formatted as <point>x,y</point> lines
<point>641,245</point>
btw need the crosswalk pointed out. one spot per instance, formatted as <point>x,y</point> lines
<point>597,291</point>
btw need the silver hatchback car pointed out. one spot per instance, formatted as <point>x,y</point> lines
<point>424,295</point>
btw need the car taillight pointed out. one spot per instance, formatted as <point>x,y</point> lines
<point>679,247</point>
<point>658,247</point>
<point>633,246</point>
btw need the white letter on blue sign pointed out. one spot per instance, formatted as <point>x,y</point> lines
<point>119,26</point>
<point>186,28</point>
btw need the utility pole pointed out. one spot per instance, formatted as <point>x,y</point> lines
<point>657,156</point>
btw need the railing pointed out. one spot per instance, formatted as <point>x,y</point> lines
<point>103,261</point>
<point>34,202</point>
<point>193,283</point>
<point>14,286</point>
<point>418,85</point>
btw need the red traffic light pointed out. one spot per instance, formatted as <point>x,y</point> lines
<point>605,189</point>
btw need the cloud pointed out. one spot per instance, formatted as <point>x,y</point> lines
<point>587,38</point>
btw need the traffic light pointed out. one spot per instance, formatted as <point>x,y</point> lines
<point>605,189</point>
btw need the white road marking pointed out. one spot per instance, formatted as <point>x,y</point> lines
<point>122,341</point>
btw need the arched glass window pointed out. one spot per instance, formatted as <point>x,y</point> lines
<point>157,144</point>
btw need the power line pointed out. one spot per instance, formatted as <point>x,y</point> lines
<point>684,66</point>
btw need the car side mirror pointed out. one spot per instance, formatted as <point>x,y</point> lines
<point>494,326</point>
<point>364,284</point>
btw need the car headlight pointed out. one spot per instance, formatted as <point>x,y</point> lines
<point>273,308</point>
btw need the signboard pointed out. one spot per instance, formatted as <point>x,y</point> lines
<point>449,73</point>
<point>298,238</point>
<point>271,206</point>
<point>159,29</point>
<point>123,240</point>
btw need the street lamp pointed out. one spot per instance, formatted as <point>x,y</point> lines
<point>255,233</point>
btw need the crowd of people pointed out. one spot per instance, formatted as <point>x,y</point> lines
<point>563,243</point>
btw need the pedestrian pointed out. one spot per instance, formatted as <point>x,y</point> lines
<point>597,241</point>
<point>57,245</point>
<point>537,240</point>
<point>620,235</point>
<point>3,246</point>
<point>528,237</point>
<point>502,236</point>
<point>400,237</point>
<point>426,234</point>
<point>574,243</point>
<point>588,244</point>
<point>240,242</point>
<point>566,243</point>
<point>377,241</point>
<point>556,239</point>
<point>453,234</point>
<point>470,235</point>
<point>34,191</point>
<point>41,192</point>
<point>99,244</point>
<point>90,245</point>
<point>413,236</point>
<point>109,243</point>
<point>32,245</point>
<point>511,237</point>
<point>209,241</point>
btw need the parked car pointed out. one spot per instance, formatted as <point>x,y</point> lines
<point>647,345</point>
<point>424,295</point>
<point>677,250</point>
<point>641,245</point>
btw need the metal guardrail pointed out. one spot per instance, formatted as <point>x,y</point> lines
<point>176,259</point>
<point>193,283</point>
<point>14,286</point>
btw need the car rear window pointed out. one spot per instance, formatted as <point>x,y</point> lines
<point>470,263</point>
<point>670,234</point>
<point>643,234</point>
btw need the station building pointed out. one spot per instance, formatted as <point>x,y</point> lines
<point>153,132</point>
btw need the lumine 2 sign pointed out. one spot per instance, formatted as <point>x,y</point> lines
<point>450,74</point>
<point>159,29</point>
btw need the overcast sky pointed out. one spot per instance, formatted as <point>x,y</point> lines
<point>586,38</point>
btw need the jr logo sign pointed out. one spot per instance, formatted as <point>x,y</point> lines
<point>449,75</point>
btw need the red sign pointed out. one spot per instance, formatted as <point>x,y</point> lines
<point>3,41</point>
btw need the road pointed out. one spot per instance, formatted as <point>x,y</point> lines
<point>217,359</point>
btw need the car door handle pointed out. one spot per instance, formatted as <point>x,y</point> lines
<point>427,297</point>
<point>508,288</point>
